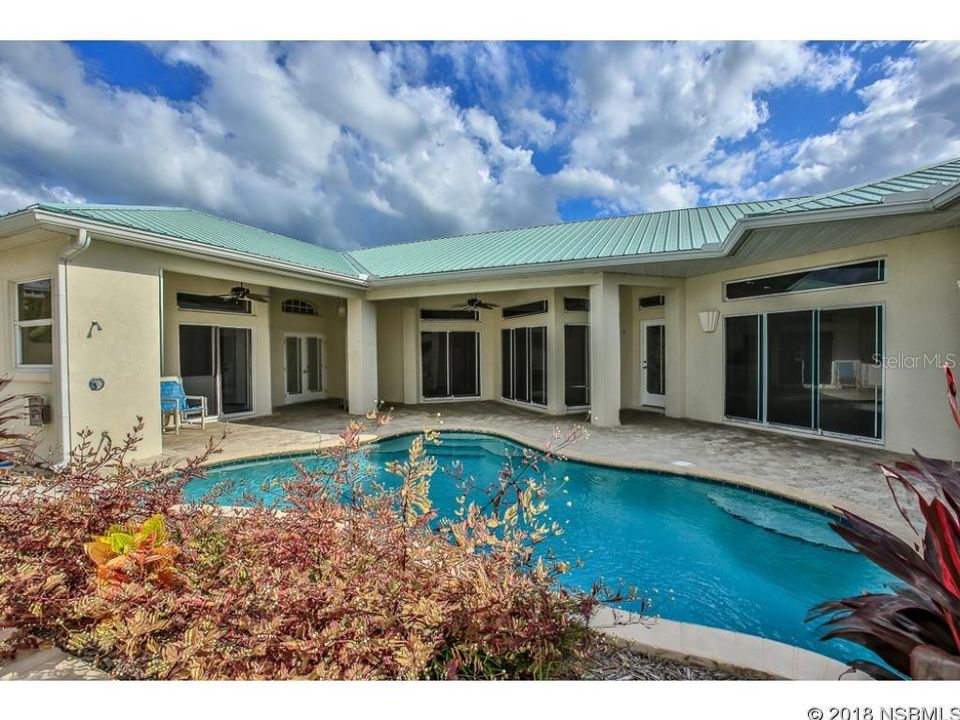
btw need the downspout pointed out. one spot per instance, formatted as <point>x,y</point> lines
<point>69,251</point>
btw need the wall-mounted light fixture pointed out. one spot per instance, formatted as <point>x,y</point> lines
<point>709,319</point>
<point>342,308</point>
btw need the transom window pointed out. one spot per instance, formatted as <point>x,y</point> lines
<point>296,306</point>
<point>530,308</point>
<point>213,303</point>
<point>576,304</point>
<point>860,273</point>
<point>449,314</point>
<point>33,326</point>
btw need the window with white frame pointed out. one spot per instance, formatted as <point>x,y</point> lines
<point>33,323</point>
<point>296,306</point>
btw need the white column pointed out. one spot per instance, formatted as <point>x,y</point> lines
<point>411,347</point>
<point>361,356</point>
<point>605,353</point>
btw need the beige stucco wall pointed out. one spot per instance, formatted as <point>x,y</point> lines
<point>922,317</point>
<point>121,292</point>
<point>34,257</point>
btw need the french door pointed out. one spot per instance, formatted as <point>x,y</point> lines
<point>217,362</point>
<point>304,367</point>
<point>653,380</point>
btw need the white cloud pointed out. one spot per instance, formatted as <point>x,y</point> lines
<point>348,143</point>
<point>654,115</point>
<point>910,118</point>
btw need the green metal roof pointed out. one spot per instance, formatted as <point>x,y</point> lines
<point>667,231</point>
<point>689,229</point>
<point>873,193</point>
<point>210,230</point>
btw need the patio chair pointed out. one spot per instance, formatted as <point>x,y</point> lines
<point>176,405</point>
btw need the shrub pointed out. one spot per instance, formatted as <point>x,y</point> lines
<point>925,610</point>
<point>342,579</point>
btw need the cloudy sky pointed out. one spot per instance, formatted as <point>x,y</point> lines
<point>359,144</point>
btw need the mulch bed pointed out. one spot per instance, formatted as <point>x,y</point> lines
<point>615,660</point>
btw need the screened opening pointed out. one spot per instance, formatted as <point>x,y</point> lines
<point>530,308</point>
<point>450,364</point>
<point>860,273</point>
<point>742,356</point>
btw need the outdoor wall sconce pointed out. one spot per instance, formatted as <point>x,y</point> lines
<point>709,319</point>
<point>341,309</point>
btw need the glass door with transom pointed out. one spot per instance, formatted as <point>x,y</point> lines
<point>653,345</point>
<point>305,367</point>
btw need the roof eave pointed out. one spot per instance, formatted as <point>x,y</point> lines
<point>118,233</point>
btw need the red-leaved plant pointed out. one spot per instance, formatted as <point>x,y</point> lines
<point>342,578</point>
<point>925,610</point>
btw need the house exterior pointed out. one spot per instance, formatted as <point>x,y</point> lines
<point>828,316</point>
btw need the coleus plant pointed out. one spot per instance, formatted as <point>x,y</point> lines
<point>925,610</point>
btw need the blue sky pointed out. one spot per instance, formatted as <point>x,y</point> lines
<point>348,144</point>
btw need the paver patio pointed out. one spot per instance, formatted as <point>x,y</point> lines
<point>821,469</point>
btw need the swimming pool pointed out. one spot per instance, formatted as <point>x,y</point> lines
<point>708,553</point>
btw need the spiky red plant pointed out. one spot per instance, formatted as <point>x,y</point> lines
<point>925,610</point>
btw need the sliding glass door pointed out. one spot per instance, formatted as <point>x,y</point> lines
<point>810,369</point>
<point>217,363</point>
<point>790,369</point>
<point>449,364</point>
<point>576,365</point>
<point>744,393</point>
<point>524,364</point>
<point>851,386</point>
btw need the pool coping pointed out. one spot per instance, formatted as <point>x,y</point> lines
<point>804,498</point>
<point>724,649</point>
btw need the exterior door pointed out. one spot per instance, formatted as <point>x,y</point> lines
<point>653,345</point>
<point>305,370</point>
<point>217,363</point>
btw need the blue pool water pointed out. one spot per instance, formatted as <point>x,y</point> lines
<point>707,553</point>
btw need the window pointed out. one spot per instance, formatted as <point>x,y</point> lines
<point>450,364</point>
<point>530,308</point>
<point>296,306</point>
<point>576,365</point>
<point>809,369</point>
<point>33,326</point>
<point>651,301</point>
<point>212,303</point>
<point>869,271</point>
<point>523,364</point>
<point>576,304</point>
<point>450,314</point>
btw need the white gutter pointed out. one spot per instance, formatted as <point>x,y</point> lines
<point>69,251</point>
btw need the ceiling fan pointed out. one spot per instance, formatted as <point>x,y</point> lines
<point>242,293</point>
<point>475,303</point>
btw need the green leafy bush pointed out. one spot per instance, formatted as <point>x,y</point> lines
<point>343,580</point>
